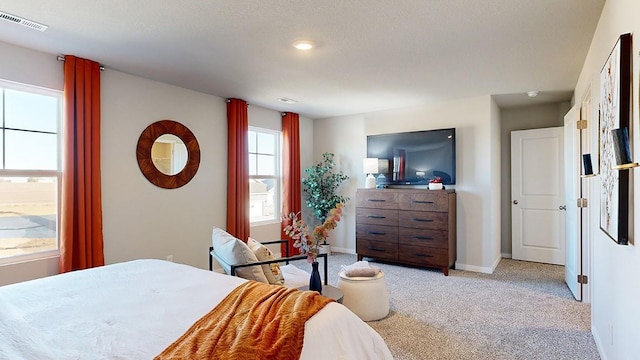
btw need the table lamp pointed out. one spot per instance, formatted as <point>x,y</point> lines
<point>370,166</point>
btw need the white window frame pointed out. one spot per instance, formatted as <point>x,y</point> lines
<point>277,177</point>
<point>4,84</point>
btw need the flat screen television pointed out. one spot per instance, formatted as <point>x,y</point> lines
<point>414,158</point>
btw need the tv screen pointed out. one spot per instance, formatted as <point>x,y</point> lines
<point>414,158</point>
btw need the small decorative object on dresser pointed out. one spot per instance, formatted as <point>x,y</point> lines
<point>436,183</point>
<point>407,226</point>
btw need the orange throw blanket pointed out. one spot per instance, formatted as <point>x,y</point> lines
<point>255,321</point>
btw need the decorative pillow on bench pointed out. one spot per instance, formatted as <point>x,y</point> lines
<point>230,250</point>
<point>271,271</point>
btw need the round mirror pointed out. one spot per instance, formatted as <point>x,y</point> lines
<point>168,154</point>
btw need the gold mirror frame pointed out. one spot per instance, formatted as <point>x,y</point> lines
<point>145,162</point>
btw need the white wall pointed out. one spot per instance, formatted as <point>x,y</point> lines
<point>141,220</point>
<point>30,67</point>
<point>478,177</point>
<point>344,137</point>
<point>615,268</point>
<point>496,183</point>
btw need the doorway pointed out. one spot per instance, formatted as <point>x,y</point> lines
<point>537,195</point>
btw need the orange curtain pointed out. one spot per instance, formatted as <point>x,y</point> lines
<point>291,181</point>
<point>81,243</point>
<point>238,169</point>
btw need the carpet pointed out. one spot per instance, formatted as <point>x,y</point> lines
<point>523,310</point>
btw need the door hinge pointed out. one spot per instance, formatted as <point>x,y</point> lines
<point>582,202</point>
<point>583,279</point>
<point>581,124</point>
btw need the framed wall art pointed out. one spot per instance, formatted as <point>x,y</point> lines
<point>615,112</point>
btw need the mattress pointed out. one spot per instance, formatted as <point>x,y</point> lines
<point>135,309</point>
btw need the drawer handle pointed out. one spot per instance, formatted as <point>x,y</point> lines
<point>423,220</point>
<point>376,200</point>
<point>423,255</point>
<point>377,217</point>
<point>375,249</point>
<point>422,202</point>
<point>424,237</point>
<point>376,233</point>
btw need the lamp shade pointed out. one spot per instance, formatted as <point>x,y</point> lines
<point>370,165</point>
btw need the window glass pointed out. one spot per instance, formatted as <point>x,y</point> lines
<point>266,165</point>
<point>266,143</point>
<point>28,215</point>
<point>263,199</point>
<point>252,142</point>
<point>29,111</point>
<point>264,175</point>
<point>31,150</point>
<point>253,166</point>
<point>29,170</point>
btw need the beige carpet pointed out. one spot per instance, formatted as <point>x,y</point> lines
<point>522,311</point>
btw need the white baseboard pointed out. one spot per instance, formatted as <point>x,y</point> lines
<point>474,268</point>
<point>598,341</point>
<point>506,255</point>
<point>480,269</point>
<point>343,250</point>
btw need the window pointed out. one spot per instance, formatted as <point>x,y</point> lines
<point>30,122</point>
<point>264,175</point>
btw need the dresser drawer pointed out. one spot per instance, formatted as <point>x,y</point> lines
<point>423,237</point>
<point>377,249</point>
<point>423,220</point>
<point>377,217</point>
<point>427,200</point>
<point>424,256</point>
<point>376,198</point>
<point>377,233</point>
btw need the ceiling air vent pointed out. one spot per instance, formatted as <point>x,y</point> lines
<point>24,22</point>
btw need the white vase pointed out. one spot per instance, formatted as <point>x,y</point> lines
<point>435,186</point>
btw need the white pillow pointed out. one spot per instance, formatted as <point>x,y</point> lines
<point>232,251</point>
<point>295,278</point>
<point>271,271</point>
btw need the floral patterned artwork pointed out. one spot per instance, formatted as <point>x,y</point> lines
<point>609,102</point>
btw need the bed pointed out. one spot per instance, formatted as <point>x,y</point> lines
<point>135,309</point>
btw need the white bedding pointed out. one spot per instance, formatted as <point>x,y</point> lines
<point>134,310</point>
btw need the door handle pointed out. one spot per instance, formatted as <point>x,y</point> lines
<point>515,202</point>
<point>562,207</point>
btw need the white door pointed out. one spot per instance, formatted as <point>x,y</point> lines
<point>572,157</point>
<point>537,195</point>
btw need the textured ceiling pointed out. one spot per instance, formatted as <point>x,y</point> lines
<point>370,55</point>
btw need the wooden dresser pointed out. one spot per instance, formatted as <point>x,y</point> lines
<point>407,226</point>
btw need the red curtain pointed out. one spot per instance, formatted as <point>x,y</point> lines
<point>238,169</point>
<point>81,243</point>
<point>291,182</point>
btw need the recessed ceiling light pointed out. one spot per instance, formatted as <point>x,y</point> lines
<point>532,93</point>
<point>287,100</point>
<point>303,45</point>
